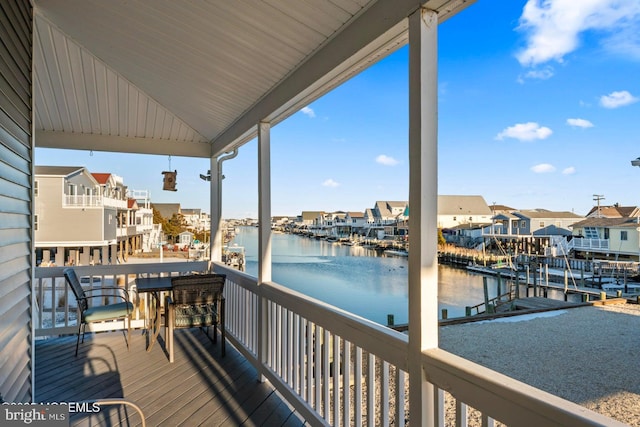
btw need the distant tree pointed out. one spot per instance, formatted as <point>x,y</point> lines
<point>441,239</point>
<point>158,218</point>
<point>174,226</point>
<point>170,227</point>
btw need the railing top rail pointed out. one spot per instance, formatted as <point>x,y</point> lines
<point>106,269</point>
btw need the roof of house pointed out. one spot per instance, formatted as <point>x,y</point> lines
<point>311,215</point>
<point>501,208</point>
<point>462,205</point>
<point>608,222</point>
<point>132,204</point>
<point>544,213</point>
<point>57,170</point>
<point>190,211</point>
<point>614,211</point>
<point>552,230</point>
<point>167,210</point>
<point>102,178</point>
<point>356,214</point>
<point>385,207</point>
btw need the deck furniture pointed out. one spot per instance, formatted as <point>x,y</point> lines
<point>197,302</point>
<point>154,286</point>
<point>88,313</point>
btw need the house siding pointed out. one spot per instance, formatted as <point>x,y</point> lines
<point>16,177</point>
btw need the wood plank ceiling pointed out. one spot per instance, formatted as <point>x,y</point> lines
<point>193,77</point>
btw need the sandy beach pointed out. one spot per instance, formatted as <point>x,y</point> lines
<point>588,355</point>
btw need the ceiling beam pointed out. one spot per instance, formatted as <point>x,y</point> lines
<point>118,144</point>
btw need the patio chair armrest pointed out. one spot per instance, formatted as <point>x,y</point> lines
<point>123,297</point>
<point>122,290</point>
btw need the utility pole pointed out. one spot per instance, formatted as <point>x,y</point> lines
<point>598,197</point>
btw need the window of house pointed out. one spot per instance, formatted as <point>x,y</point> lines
<point>35,188</point>
<point>35,222</point>
<point>455,218</point>
<point>470,218</point>
<point>541,224</point>
<point>606,233</point>
<point>623,235</point>
<point>591,233</point>
<point>523,224</point>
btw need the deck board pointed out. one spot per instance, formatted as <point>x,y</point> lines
<point>199,388</point>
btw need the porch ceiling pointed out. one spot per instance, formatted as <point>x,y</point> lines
<point>192,78</point>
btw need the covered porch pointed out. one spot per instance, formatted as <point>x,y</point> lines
<point>200,79</point>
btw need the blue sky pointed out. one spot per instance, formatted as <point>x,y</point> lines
<point>538,108</point>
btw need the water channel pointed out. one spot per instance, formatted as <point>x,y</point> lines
<point>359,280</point>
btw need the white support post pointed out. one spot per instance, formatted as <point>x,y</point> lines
<point>215,241</point>
<point>423,198</point>
<point>264,234</point>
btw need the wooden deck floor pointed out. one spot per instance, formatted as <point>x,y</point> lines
<point>199,388</point>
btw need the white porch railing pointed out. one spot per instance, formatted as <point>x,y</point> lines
<point>88,200</point>
<point>590,244</point>
<point>336,368</point>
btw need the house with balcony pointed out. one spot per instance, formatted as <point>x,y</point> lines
<point>606,238</point>
<point>127,77</point>
<point>532,230</point>
<point>86,218</point>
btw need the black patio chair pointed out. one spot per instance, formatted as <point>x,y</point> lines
<point>99,313</point>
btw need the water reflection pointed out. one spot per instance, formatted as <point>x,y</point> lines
<point>357,279</point>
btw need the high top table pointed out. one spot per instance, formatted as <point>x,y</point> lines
<point>154,286</point>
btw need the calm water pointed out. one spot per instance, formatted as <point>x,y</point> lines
<point>357,279</point>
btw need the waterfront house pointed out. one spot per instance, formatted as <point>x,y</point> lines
<point>606,238</point>
<point>201,79</point>
<point>84,218</point>
<point>532,230</point>
<point>455,210</point>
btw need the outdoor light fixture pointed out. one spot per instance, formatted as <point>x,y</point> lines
<point>206,177</point>
<point>635,162</point>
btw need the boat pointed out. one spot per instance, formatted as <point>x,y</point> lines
<point>396,252</point>
<point>234,256</point>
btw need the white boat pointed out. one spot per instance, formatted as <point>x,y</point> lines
<point>396,252</point>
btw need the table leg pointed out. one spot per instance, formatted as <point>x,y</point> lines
<point>154,329</point>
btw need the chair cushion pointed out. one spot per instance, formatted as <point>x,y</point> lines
<point>107,312</point>
<point>188,316</point>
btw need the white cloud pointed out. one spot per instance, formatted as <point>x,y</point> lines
<point>308,111</point>
<point>386,160</point>
<point>330,183</point>
<point>617,99</point>
<point>553,27</point>
<point>543,168</point>
<point>569,171</point>
<point>540,74</point>
<point>579,123</point>
<point>525,132</point>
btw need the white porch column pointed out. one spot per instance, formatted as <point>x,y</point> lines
<point>215,241</point>
<point>423,198</point>
<point>264,202</point>
<point>264,233</point>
